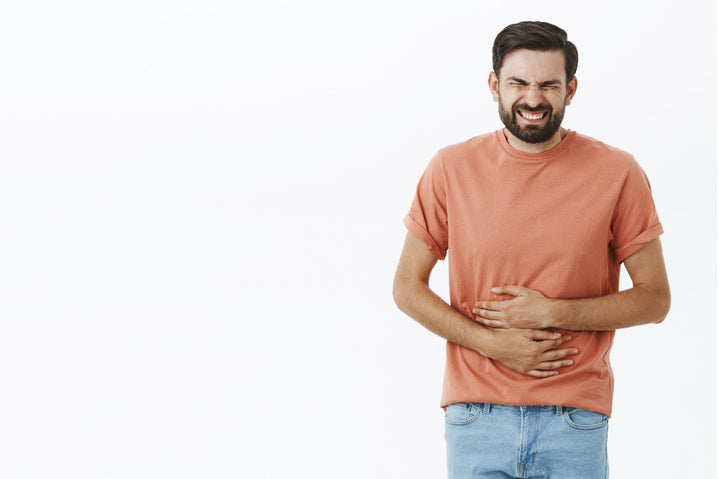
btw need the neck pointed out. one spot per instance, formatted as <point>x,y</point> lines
<point>525,147</point>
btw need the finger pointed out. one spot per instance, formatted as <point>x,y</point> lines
<point>492,323</point>
<point>508,289</point>
<point>552,344</point>
<point>555,354</point>
<point>490,305</point>
<point>562,340</point>
<point>554,365</point>
<point>537,373</point>
<point>489,314</point>
<point>542,335</point>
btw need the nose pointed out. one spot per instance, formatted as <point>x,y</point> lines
<point>533,95</point>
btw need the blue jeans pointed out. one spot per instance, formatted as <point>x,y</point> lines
<point>534,442</point>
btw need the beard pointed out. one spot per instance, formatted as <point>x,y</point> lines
<point>531,133</point>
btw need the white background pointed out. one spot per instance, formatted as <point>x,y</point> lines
<point>201,208</point>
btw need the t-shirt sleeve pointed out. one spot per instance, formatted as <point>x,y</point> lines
<point>635,220</point>
<point>428,218</point>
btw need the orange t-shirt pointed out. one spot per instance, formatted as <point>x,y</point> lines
<point>559,222</point>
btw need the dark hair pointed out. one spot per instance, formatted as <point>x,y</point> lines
<point>534,36</point>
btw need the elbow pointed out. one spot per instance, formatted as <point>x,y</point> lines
<point>663,305</point>
<point>399,293</point>
<point>404,292</point>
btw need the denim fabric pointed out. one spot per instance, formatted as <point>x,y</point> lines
<point>530,442</point>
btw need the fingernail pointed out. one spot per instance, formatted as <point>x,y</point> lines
<point>569,363</point>
<point>575,351</point>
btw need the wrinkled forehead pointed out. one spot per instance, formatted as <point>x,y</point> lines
<point>533,65</point>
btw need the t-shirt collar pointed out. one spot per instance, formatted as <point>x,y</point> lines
<point>545,155</point>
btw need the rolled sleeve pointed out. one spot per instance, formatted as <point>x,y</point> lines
<point>428,219</point>
<point>415,228</point>
<point>635,221</point>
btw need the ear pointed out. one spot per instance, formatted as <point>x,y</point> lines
<point>571,89</point>
<point>494,84</point>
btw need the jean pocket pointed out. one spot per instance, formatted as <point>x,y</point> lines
<point>461,413</point>
<point>583,419</point>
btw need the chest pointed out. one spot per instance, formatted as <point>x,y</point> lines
<point>540,210</point>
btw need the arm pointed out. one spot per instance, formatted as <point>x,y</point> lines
<point>648,301</point>
<point>527,351</point>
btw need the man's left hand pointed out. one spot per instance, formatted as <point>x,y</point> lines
<point>529,309</point>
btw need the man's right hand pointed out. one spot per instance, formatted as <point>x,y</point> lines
<point>529,351</point>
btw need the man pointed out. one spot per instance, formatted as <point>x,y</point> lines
<point>536,221</point>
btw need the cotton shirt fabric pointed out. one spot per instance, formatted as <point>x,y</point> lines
<point>560,222</point>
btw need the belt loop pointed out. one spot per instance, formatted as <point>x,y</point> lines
<point>486,408</point>
<point>559,410</point>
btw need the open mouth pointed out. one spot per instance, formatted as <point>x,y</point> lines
<point>533,116</point>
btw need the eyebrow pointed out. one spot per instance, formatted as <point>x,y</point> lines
<point>542,84</point>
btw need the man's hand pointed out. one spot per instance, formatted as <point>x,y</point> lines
<point>648,301</point>
<point>525,351</point>
<point>530,352</point>
<point>529,309</point>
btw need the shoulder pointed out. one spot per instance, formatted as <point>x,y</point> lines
<point>488,140</point>
<point>591,145</point>
<point>458,153</point>
<point>608,156</point>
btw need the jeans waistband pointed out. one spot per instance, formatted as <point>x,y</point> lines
<point>488,407</point>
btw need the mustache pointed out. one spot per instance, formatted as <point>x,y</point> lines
<point>539,108</point>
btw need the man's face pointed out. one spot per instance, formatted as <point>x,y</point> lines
<point>532,92</point>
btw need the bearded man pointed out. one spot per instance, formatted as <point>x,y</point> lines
<point>536,221</point>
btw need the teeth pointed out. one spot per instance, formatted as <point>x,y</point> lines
<point>530,116</point>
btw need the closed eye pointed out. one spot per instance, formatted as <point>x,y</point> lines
<point>517,83</point>
<point>550,85</point>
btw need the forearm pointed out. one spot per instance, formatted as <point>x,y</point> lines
<point>648,301</point>
<point>528,351</point>
<point>641,304</point>
<point>532,352</point>
<point>418,301</point>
